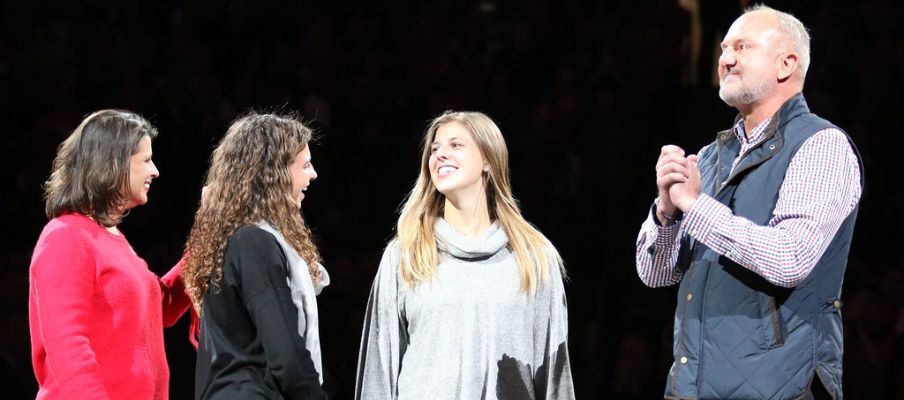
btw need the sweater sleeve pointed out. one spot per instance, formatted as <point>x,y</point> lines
<point>62,276</point>
<point>553,378</point>
<point>385,336</point>
<point>175,298</point>
<point>262,267</point>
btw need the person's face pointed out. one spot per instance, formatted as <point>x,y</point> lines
<point>456,165</point>
<point>748,66</point>
<point>141,172</point>
<point>302,172</point>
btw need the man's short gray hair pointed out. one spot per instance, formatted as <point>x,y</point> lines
<point>794,31</point>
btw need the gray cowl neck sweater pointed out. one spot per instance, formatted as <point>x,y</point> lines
<point>470,332</point>
<point>459,246</point>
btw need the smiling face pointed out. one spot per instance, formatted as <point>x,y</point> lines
<point>302,172</point>
<point>456,164</point>
<point>750,60</point>
<point>141,172</point>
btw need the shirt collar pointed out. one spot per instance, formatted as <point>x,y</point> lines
<point>755,135</point>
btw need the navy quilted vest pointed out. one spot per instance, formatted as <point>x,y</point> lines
<point>736,335</point>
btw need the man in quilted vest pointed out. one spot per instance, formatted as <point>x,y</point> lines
<point>756,229</point>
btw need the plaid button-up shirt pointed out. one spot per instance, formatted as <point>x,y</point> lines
<point>821,188</point>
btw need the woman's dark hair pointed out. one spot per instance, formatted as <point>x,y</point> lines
<point>91,169</point>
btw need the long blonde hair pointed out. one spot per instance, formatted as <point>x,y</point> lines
<point>248,182</point>
<point>424,205</point>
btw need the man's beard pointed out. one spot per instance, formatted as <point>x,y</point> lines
<point>746,94</point>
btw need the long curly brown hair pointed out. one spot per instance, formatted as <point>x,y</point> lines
<point>248,182</point>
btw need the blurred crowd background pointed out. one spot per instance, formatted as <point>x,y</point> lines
<point>585,92</point>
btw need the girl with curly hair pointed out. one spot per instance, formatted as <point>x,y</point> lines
<point>96,313</point>
<point>253,270</point>
<point>468,302</point>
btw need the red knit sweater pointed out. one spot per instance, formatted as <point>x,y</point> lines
<point>96,315</point>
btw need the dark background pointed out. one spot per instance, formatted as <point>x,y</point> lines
<point>585,92</point>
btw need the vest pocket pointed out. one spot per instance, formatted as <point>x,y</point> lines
<point>770,329</point>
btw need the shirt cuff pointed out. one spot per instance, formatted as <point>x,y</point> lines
<point>664,233</point>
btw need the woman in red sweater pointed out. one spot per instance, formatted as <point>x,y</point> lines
<point>96,312</point>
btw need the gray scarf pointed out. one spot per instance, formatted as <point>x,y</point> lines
<point>304,295</point>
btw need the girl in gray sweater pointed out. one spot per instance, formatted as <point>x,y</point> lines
<point>468,302</point>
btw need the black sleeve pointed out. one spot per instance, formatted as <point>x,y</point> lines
<point>262,268</point>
